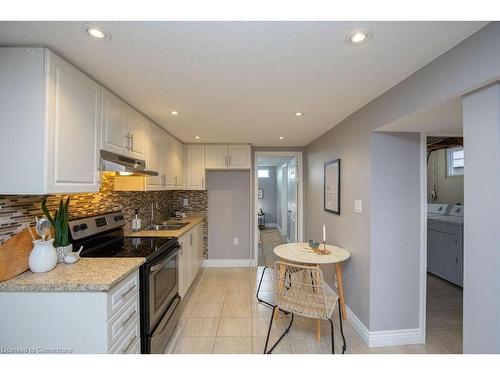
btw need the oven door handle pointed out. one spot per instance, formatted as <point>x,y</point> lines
<point>159,330</point>
<point>159,266</point>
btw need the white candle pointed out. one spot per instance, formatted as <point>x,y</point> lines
<point>324,233</point>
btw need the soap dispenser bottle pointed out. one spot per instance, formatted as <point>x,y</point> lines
<point>136,221</point>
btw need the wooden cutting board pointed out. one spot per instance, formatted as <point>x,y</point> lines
<point>14,254</point>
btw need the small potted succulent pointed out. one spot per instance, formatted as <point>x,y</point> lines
<point>60,226</point>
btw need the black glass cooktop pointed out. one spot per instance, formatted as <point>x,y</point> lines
<point>114,245</point>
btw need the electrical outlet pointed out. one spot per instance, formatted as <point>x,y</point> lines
<point>236,241</point>
<point>358,206</point>
<point>185,202</point>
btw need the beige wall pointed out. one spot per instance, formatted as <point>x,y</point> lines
<point>449,189</point>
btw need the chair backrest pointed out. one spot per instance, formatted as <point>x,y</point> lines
<point>300,289</point>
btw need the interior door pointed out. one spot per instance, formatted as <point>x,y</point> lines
<point>114,124</point>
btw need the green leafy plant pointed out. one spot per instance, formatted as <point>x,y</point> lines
<point>59,222</point>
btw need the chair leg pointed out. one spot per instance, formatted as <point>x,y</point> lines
<point>282,335</point>
<point>269,329</point>
<point>331,331</point>
<point>344,346</point>
<point>258,289</point>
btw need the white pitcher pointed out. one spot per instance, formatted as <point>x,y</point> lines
<point>43,257</point>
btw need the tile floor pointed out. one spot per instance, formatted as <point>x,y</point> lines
<point>222,315</point>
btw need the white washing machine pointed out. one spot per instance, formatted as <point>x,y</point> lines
<point>445,237</point>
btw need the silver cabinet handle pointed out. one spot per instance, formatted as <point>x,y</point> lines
<point>175,180</point>
<point>132,141</point>
<point>203,182</point>
<point>124,322</point>
<point>228,161</point>
<point>124,294</point>
<point>128,136</point>
<point>127,348</point>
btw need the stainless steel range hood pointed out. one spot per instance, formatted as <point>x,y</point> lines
<point>123,165</point>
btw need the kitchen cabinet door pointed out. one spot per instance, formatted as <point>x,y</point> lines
<point>239,157</point>
<point>169,161</point>
<point>114,124</point>
<point>199,247</point>
<point>137,128</point>
<point>184,265</point>
<point>195,167</point>
<point>216,156</point>
<point>155,157</point>
<point>178,156</point>
<point>73,129</point>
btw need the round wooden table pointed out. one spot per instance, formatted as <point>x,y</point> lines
<point>302,253</point>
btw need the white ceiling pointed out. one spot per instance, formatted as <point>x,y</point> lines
<point>243,81</point>
<point>441,119</point>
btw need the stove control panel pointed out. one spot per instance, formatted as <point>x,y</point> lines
<point>89,226</point>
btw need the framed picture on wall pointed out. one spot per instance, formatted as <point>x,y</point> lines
<point>332,186</point>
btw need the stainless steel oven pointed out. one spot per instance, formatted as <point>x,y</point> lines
<point>160,281</point>
<point>162,285</point>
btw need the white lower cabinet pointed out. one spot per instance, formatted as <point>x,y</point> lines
<point>74,322</point>
<point>190,257</point>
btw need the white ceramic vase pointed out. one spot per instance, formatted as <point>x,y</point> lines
<point>62,251</point>
<point>43,257</point>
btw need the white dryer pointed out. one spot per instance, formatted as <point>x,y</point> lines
<point>445,235</point>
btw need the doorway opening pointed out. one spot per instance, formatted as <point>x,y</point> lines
<point>278,202</point>
<point>445,223</point>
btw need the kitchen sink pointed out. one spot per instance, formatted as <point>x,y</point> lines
<point>167,226</point>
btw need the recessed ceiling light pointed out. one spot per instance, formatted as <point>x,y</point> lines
<point>358,37</point>
<point>298,114</point>
<point>197,137</point>
<point>281,138</point>
<point>174,113</point>
<point>96,32</point>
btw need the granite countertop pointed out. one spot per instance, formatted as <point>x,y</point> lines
<point>192,220</point>
<point>86,275</point>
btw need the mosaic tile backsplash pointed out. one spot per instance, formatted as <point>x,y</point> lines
<point>17,210</point>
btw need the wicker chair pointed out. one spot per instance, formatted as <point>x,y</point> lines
<point>270,259</point>
<point>301,290</point>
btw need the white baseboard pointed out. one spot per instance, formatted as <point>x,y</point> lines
<point>358,326</point>
<point>375,339</point>
<point>271,225</point>
<point>396,337</point>
<point>227,263</point>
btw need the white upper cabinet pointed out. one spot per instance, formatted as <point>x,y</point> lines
<point>228,157</point>
<point>114,124</point>
<point>195,167</point>
<point>50,124</point>
<point>239,157</point>
<point>216,156</point>
<point>137,134</point>
<point>124,130</point>
<point>155,158</point>
<point>174,162</point>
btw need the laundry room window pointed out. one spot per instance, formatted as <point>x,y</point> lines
<point>263,173</point>
<point>455,161</point>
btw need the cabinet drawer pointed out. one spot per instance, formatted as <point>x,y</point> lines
<point>122,320</point>
<point>122,293</point>
<point>130,342</point>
